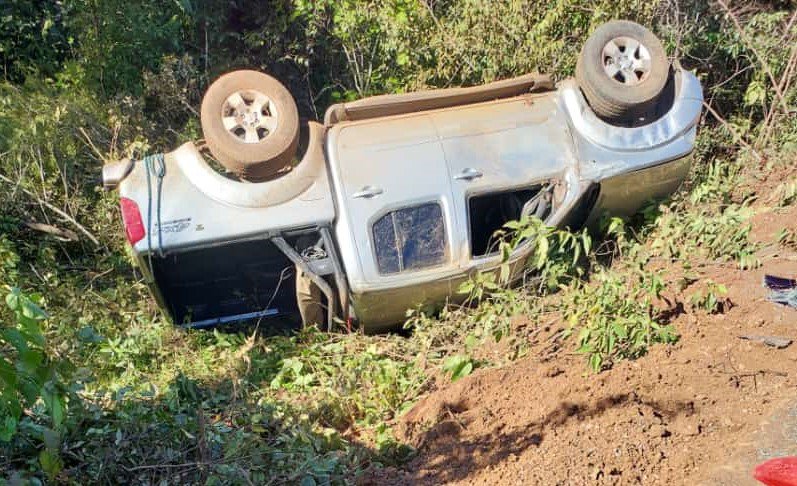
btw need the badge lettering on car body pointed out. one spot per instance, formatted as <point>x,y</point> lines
<point>174,226</point>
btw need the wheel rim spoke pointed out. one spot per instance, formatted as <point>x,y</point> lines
<point>236,101</point>
<point>230,123</point>
<point>612,69</point>
<point>631,47</point>
<point>612,50</point>
<point>269,123</point>
<point>642,64</point>
<point>251,135</point>
<point>260,103</point>
<point>629,76</point>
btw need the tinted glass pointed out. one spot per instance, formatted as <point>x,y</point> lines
<point>410,239</point>
<point>387,248</point>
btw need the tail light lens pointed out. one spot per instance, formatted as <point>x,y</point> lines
<point>134,225</point>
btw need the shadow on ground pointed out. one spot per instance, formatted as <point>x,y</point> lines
<point>457,453</point>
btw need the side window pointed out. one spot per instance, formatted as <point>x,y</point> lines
<point>410,239</point>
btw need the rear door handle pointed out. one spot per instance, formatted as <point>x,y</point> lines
<point>468,175</point>
<point>367,192</point>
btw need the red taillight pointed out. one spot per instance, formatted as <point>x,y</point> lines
<point>134,225</point>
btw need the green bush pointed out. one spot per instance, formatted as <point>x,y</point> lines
<point>32,384</point>
<point>614,319</point>
<point>33,39</point>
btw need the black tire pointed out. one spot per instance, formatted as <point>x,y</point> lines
<point>633,93</point>
<point>249,149</point>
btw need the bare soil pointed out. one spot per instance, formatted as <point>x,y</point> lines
<point>702,411</point>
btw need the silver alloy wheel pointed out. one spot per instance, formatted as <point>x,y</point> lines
<point>626,60</point>
<point>249,116</point>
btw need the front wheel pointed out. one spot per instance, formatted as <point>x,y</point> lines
<point>622,71</point>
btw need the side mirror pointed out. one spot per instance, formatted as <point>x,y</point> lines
<point>114,172</point>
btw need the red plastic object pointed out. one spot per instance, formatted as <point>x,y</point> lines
<point>781,471</point>
<point>134,225</point>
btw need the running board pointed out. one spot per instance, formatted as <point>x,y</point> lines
<point>228,319</point>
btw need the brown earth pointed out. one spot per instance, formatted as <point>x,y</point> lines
<point>702,411</point>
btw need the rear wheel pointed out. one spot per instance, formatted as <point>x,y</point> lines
<point>250,123</point>
<point>622,71</point>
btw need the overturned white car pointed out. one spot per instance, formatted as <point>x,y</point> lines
<point>393,201</point>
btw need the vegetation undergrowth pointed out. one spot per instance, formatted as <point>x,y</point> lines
<point>101,388</point>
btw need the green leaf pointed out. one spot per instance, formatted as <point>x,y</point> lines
<point>32,311</point>
<point>542,252</point>
<point>756,93</point>
<point>30,360</point>
<point>583,335</point>
<point>88,335</point>
<point>504,273</point>
<point>458,366</point>
<point>402,59</point>
<point>32,331</point>
<point>586,241</point>
<point>466,287</point>
<point>8,429</point>
<point>595,362</point>
<point>55,404</point>
<point>51,463</point>
<point>12,299</point>
<point>15,338</point>
<point>465,370</point>
<point>52,439</point>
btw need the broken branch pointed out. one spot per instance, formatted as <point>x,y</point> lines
<point>60,233</point>
<point>56,210</point>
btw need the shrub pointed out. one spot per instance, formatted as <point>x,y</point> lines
<point>614,319</point>
<point>29,378</point>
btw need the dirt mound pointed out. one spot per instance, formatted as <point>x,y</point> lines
<point>679,415</point>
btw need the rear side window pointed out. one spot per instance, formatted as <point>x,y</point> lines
<point>410,239</point>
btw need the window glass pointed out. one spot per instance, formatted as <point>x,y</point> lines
<point>387,250</point>
<point>410,239</point>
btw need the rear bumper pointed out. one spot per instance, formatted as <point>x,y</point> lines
<point>199,207</point>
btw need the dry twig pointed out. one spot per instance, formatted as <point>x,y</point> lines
<point>60,233</point>
<point>56,210</point>
<point>750,45</point>
<point>737,136</point>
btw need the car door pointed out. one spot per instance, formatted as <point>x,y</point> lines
<point>398,201</point>
<point>501,146</point>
